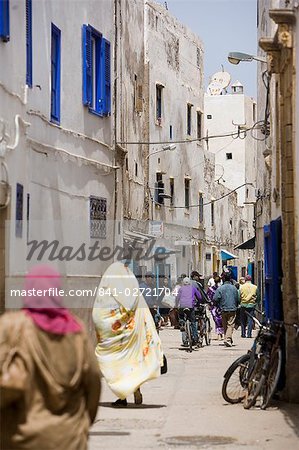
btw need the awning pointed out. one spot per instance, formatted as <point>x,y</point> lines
<point>135,236</point>
<point>226,255</point>
<point>249,244</point>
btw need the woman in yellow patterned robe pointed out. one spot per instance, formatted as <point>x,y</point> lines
<point>129,349</point>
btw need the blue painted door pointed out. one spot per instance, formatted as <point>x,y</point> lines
<point>273,270</point>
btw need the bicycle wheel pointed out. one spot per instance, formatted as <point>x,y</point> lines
<point>189,334</point>
<point>255,383</point>
<point>200,330</point>
<point>235,380</point>
<point>272,377</point>
<point>207,331</point>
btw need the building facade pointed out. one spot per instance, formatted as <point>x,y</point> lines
<point>57,147</point>
<point>232,117</point>
<point>102,145</point>
<point>279,39</point>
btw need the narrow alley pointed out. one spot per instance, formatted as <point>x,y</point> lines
<point>184,408</point>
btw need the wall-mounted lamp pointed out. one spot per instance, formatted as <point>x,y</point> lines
<point>165,148</point>
<point>237,57</point>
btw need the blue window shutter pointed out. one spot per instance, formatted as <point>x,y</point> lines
<point>87,65</point>
<point>105,78</point>
<point>4,20</point>
<point>107,92</point>
<point>55,73</point>
<point>29,43</point>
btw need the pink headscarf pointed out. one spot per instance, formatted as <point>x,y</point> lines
<point>47,311</point>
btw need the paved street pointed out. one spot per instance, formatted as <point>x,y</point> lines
<point>184,409</point>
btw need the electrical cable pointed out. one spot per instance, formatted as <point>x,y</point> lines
<point>201,161</point>
<point>181,141</point>
<point>186,141</point>
<point>203,204</point>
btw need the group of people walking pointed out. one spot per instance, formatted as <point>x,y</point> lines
<point>50,374</point>
<point>226,301</point>
<point>228,298</point>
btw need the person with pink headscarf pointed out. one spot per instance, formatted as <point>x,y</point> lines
<point>63,385</point>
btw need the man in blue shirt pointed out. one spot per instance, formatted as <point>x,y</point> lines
<point>227,297</point>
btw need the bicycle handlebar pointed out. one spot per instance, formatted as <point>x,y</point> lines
<point>260,325</point>
<point>279,322</point>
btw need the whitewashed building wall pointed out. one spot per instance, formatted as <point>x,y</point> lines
<point>59,166</point>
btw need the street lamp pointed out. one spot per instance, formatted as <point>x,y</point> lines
<point>236,57</point>
<point>165,148</point>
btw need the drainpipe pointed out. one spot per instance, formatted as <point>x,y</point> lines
<point>114,119</point>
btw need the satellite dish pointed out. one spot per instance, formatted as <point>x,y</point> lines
<point>219,81</point>
<point>214,88</point>
<point>221,77</point>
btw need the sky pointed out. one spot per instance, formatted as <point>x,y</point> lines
<point>223,26</point>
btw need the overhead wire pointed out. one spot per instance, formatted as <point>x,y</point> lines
<point>198,204</point>
<point>201,161</point>
<point>186,141</point>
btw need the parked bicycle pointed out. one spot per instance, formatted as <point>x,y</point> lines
<point>264,376</point>
<point>256,373</point>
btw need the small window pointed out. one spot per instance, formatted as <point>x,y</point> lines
<point>159,89</point>
<point>29,43</point>
<point>212,214</point>
<point>199,125</point>
<point>127,164</point>
<point>254,112</point>
<point>208,256</point>
<point>4,20</point>
<point>171,186</point>
<point>187,193</point>
<point>96,71</point>
<point>189,119</point>
<point>229,156</point>
<point>200,207</point>
<point>136,169</point>
<point>209,116</point>
<point>19,210</point>
<point>55,74</point>
<point>170,132</point>
<point>159,189</point>
<point>98,217</point>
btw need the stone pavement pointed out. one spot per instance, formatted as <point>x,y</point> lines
<point>184,409</point>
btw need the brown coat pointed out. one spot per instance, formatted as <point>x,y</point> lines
<point>64,387</point>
